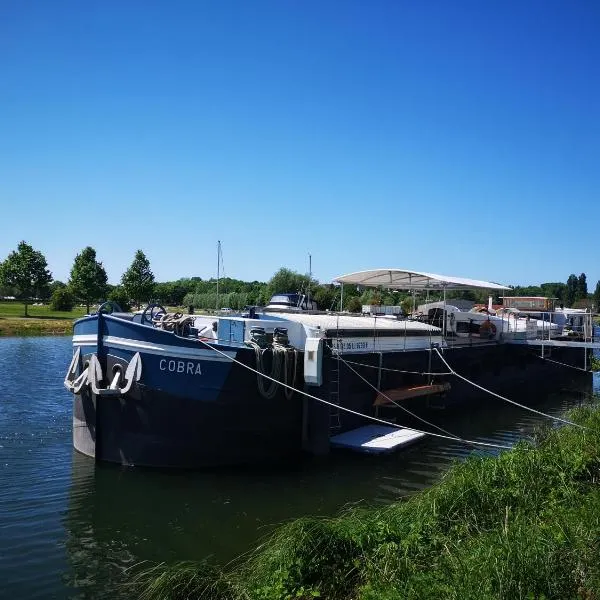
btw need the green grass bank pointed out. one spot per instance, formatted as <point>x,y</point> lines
<point>524,524</point>
<point>42,320</point>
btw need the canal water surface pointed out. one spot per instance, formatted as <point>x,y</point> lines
<point>70,528</point>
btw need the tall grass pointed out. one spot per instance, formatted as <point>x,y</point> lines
<point>525,524</point>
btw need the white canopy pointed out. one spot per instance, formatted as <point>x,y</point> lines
<point>400,279</point>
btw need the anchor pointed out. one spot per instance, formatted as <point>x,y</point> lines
<point>92,375</point>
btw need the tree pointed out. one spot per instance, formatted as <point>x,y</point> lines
<point>555,290</point>
<point>119,295</point>
<point>26,272</point>
<point>56,284</point>
<point>288,281</point>
<point>597,298</point>
<point>571,292</point>
<point>326,296</point>
<point>582,291</point>
<point>62,299</point>
<point>138,280</point>
<point>354,304</point>
<point>88,277</point>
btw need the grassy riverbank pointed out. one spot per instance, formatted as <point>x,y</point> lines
<point>42,320</point>
<point>525,524</point>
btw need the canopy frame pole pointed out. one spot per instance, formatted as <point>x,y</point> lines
<point>444,329</point>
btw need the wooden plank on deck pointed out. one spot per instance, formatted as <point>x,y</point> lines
<point>411,391</point>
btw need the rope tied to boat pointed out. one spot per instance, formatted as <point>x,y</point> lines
<point>562,364</point>
<point>357,364</point>
<point>177,322</point>
<point>523,406</point>
<point>406,410</point>
<point>284,357</point>
<point>349,410</point>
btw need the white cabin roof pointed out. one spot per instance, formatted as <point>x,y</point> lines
<point>333,321</point>
<point>401,279</point>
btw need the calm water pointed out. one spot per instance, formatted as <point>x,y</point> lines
<point>70,528</point>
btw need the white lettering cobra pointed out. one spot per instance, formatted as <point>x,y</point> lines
<point>180,366</point>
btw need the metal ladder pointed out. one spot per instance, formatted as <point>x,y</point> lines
<point>334,393</point>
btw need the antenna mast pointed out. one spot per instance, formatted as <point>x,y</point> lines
<point>218,270</point>
<point>309,278</point>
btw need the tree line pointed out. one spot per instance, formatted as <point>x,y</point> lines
<point>24,275</point>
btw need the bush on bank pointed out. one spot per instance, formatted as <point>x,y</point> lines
<point>525,524</point>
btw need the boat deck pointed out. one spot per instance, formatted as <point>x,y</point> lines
<point>332,322</point>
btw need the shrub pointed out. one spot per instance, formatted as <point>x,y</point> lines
<point>62,299</point>
<point>119,295</point>
<point>354,304</point>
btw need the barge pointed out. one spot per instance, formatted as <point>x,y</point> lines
<point>173,390</point>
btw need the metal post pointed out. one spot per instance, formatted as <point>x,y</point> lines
<point>445,314</point>
<point>429,368</point>
<point>342,299</point>
<point>309,277</point>
<point>218,270</point>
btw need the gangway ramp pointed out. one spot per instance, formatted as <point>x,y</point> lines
<point>376,439</point>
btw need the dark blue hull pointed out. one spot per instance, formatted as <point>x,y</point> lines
<point>196,407</point>
<point>192,407</point>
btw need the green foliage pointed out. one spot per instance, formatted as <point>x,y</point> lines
<point>286,280</point>
<point>208,301</point>
<point>327,297</point>
<point>62,299</point>
<point>471,295</point>
<point>353,304</point>
<point>26,272</point>
<point>582,291</point>
<point>571,292</point>
<point>524,524</point>
<point>172,293</point>
<point>596,298</point>
<point>407,305</point>
<point>554,290</point>
<point>138,280</point>
<point>56,284</point>
<point>88,277</point>
<point>120,296</point>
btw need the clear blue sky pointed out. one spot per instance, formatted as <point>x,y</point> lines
<point>455,137</point>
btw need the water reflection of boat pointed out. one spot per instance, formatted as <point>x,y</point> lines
<point>118,518</point>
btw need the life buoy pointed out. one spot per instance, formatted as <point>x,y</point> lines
<point>487,329</point>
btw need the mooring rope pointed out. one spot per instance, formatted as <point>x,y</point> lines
<point>267,391</point>
<point>533,410</point>
<point>354,412</point>
<point>350,362</point>
<point>412,414</point>
<point>562,364</point>
<point>279,352</point>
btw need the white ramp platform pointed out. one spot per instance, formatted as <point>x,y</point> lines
<point>376,439</point>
